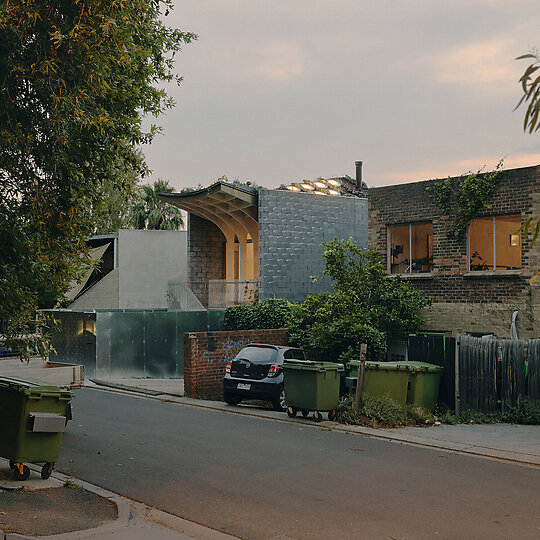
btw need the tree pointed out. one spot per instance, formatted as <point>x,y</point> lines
<point>364,306</point>
<point>76,78</point>
<point>113,205</point>
<point>530,85</point>
<point>152,213</point>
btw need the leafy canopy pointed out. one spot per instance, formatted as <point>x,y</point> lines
<point>149,212</point>
<point>364,306</point>
<point>530,86</point>
<point>76,78</point>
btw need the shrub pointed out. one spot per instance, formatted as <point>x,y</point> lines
<point>270,313</point>
<point>525,412</point>
<point>382,411</point>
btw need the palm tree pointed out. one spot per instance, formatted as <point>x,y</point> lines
<point>152,213</point>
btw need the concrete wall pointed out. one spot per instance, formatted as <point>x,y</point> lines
<point>147,262</point>
<point>465,301</point>
<point>292,227</point>
<point>103,295</point>
<point>207,353</point>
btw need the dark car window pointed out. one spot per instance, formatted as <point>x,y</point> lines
<point>296,354</point>
<point>257,355</point>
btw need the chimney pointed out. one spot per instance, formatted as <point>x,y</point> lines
<point>358,175</point>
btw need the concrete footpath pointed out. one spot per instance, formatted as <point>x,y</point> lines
<point>57,507</point>
<point>25,507</point>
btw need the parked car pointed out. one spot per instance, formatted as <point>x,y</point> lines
<point>256,373</point>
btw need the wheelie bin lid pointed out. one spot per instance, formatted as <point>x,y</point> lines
<point>35,388</point>
<point>387,366</point>
<point>310,365</point>
<point>424,367</point>
<point>413,367</point>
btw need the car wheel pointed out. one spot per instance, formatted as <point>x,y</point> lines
<point>279,403</point>
<point>231,400</point>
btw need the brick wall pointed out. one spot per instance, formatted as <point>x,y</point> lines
<point>292,227</point>
<point>206,255</point>
<point>207,353</point>
<point>465,302</point>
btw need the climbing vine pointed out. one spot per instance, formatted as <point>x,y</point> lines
<point>465,197</point>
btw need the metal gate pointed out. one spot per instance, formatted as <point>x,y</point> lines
<point>437,349</point>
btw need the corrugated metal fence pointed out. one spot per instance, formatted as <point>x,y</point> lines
<point>493,374</point>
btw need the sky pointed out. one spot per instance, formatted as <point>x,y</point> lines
<point>280,91</point>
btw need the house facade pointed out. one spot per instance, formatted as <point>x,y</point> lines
<point>244,241</point>
<point>132,270</point>
<point>477,282</point>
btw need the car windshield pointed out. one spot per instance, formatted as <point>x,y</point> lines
<point>257,355</point>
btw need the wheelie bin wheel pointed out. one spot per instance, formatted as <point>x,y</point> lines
<point>332,414</point>
<point>305,413</point>
<point>47,470</point>
<point>291,412</point>
<point>318,416</point>
<point>12,465</point>
<point>22,472</point>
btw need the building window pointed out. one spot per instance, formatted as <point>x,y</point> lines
<point>495,243</point>
<point>410,248</point>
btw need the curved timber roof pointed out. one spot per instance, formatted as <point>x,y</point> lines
<point>232,208</point>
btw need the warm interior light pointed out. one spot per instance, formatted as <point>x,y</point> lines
<point>321,185</point>
<point>333,192</point>
<point>293,188</point>
<point>319,193</point>
<point>514,239</point>
<point>308,187</point>
<point>334,182</point>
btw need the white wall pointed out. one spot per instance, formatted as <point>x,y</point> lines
<point>103,295</point>
<point>147,262</point>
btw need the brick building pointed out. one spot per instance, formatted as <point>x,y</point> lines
<point>478,282</point>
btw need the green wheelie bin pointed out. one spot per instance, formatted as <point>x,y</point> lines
<point>311,386</point>
<point>32,420</point>
<point>424,384</point>
<point>383,378</point>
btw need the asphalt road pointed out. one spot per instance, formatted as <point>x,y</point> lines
<point>260,479</point>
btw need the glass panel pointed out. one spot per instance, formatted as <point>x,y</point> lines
<point>422,247</point>
<point>257,354</point>
<point>481,244</point>
<point>507,242</point>
<point>296,354</point>
<point>161,344</point>
<point>399,249</point>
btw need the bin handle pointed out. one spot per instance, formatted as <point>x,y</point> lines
<point>39,395</point>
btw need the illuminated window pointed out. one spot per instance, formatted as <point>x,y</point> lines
<point>495,244</point>
<point>410,248</point>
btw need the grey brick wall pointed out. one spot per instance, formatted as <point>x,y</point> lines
<point>206,255</point>
<point>292,228</point>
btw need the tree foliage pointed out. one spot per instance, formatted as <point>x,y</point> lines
<point>364,306</point>
<point>76,78</point>
<point>269,313</point>
<point>530,86</point>
<point>149,212</point>
<point>112,208</point>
